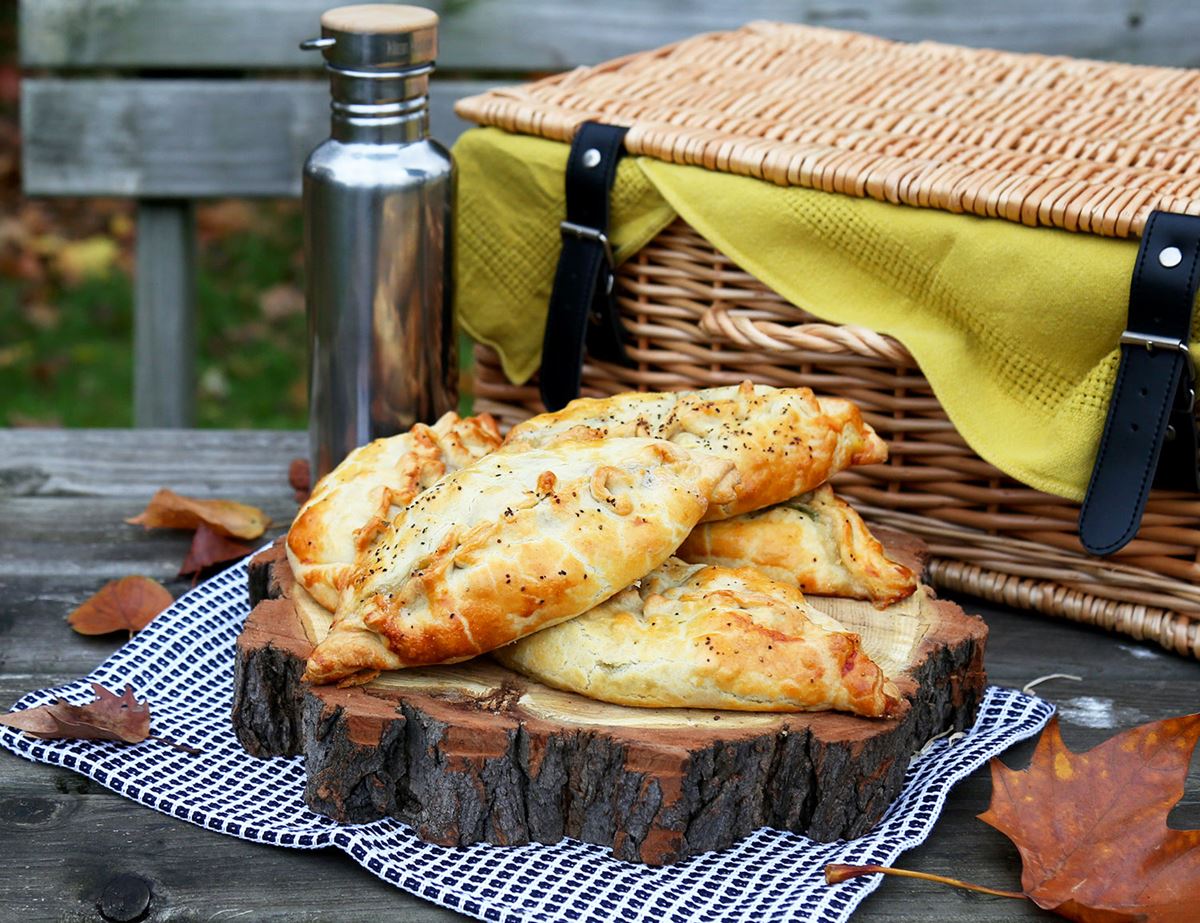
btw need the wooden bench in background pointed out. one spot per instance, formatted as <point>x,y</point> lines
<point>171,101</point>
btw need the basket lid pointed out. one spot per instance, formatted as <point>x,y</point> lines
<point>1082,145</point>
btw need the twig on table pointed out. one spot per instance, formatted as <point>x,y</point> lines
<point>836,873</point>
<point>1029,686</point>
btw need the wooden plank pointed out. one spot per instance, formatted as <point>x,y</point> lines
<point>69,836</point>
<point>120,463</point>
<point>45,813</point>
<point>63,493</point>
<point>101,546</point>
<point>164,341</point>
<point>73,836</point>
<point>188,138</point>
<point>522,36</point>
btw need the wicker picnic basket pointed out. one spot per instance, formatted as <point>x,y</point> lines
<point>1078,145</point>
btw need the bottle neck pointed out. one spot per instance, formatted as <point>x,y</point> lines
<point>371,107</point>
<point>379,124</point>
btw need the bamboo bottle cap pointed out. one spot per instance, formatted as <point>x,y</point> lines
<point>377,36</point>
<point>379,18</point>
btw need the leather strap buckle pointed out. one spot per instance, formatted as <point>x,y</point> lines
<point>1152,342</point>
<point>582,315</point>
<point>579,231</point>
<point>570,229</point>
<point>1150,435</point>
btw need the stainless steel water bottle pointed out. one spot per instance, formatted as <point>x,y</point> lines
<point>377,200</point>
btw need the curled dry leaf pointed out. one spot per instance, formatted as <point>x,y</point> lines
<point>127,604</point>
<point>1092,827</point>
<point>169,510</point>
<point>210,548</point>
<point>300,478</point>
<point>109,717</point>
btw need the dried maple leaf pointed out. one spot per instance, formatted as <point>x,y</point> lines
<point>1092,827</point>
<point>169,510</point>
<point>109,717</point>
<point>127,604</point>
<point>210,548</point>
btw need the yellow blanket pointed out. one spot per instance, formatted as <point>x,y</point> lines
<point>1016,328</point>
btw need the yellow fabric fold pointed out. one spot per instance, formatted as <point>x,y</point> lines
<point>1016,328</point>
<point>509,205</point>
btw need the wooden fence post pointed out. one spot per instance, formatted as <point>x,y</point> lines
<point>164,351</point>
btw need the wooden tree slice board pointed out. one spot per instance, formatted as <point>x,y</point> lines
<point>476,753</point>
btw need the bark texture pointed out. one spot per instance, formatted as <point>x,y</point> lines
<point>268,696</point>
<point>462,767</point>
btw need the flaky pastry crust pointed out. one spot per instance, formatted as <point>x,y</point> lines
<point>351,506</point>
<point>696,636</point>
<point>784,441</point>
<point>816,542</point>
<point>513,543</point>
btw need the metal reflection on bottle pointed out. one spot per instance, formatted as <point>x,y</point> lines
<point>377,199</point>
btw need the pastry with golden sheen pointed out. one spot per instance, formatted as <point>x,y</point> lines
<point>817,542</point>
<point>350,507</point>
<point>698,636</point>
<point>513,543</point>
<point>784,441</point>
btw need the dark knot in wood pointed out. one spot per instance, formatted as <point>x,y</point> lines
<point>126,899</point>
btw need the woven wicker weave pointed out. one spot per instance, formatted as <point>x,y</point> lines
<point>1073,144</point>
<point>1081,145</point>
<point>695,320</point>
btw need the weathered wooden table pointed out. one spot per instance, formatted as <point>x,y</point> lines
<point>63,838</point>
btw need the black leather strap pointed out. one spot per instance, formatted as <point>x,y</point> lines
<point>1150,433</point>
<point>582,311</point>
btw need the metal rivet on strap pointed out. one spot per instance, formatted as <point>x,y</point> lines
<point>1170,257</point>
<point>591,157</point>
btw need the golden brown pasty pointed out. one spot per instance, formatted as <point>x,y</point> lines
<point>350,507</point>
<point>513,543</point>
<point>784,441</point>
<point>816,542</point>
<point>696,636</point>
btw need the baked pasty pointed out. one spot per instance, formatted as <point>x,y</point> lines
<point>784,441</point>
<point>513,543</point>
<point>696,636</point>
<point>350,507</point>
<point>816,542</point>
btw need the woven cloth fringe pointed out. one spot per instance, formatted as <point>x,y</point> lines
<point>183,663</point>
<point>1082,145</point>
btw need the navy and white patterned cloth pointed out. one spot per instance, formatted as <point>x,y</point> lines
<point>183,663</point>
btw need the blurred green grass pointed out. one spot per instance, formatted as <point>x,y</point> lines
<point>251,363</point>
<point>66,343</point>
<point>66,355</point>
<point>77,372</point>
<point>66,301</point>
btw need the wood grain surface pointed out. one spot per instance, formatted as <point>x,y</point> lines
<point>166,98</point>
<point>65,838</point>
<point>187,138</point>
<point>638,780</point>
<point>522,36</point>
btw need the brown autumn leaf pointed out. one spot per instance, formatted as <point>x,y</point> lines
<point>300,478</point>
<point>280,302</point>
<point>210,548</point>
<point>220,220</point>
<point>169,510</point>
<point>109,717</point>
<point>127,604</point>
<point>1092,827</point>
